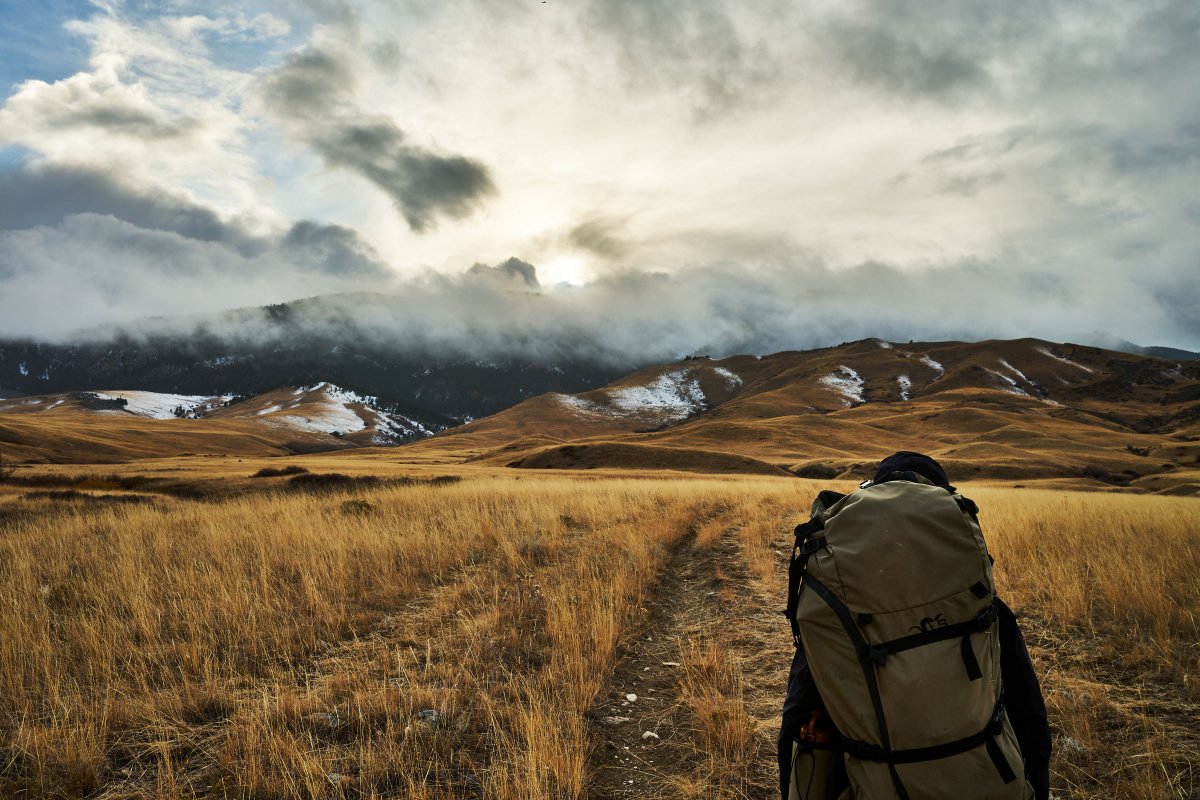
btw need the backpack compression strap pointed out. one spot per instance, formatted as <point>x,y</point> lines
<point>985,737</point>
<point>883,752</point>
<point>982,621</point>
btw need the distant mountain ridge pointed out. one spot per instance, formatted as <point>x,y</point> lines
<point>1021,408</point>
<point>1009,409</point>
<point>363,342</point>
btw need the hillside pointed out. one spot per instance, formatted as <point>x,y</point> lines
<point>1013,410</point>
<point>114,426</point>
<point>1003,409</point>
<point>351,340</point>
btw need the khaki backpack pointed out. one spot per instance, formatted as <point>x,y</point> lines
<point>893,599</point>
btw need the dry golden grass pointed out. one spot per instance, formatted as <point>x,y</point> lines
<point>450,641</point>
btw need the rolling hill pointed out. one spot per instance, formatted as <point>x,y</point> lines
<point>1021,409</point>
<point>1014,410</point>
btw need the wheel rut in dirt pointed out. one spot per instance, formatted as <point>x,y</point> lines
<point>649,747</point>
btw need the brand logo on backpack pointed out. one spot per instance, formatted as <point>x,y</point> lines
<point>929,623</point>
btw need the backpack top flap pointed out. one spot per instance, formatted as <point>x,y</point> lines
<point>900,545</point>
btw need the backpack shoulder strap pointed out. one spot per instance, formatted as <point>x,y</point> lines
<point>808,541</point>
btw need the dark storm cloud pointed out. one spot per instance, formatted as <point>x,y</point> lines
<point>421,183</point>
<point>46,195</point>
<point>332,249</point>
<point>513,269</point>
<point>313,92</point>
<point>599,236</point>
<point>80,244</point>
<point>310,82</point>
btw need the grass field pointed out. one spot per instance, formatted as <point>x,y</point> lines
<point>469,639</point>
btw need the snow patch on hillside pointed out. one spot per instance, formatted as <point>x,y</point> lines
<point>394,428</point>
<point>1014,370</point>
<point>671,397</point>
<point>905,385</point>
<point>581,405</point>
<point>732,378</point>
<point>1012,388</point>
<point>326,408</point>
<point>847,383</point>
<point>1059,358</point>
<point>929,362</point>
<point>883,344</point>
<point>157,405</point>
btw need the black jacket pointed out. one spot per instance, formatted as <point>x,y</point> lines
<point>1022,700</point>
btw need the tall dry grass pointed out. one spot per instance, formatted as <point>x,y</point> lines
<point>438,642</point>
<point>200,644</point>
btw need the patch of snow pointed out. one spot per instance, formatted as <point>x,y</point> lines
<point>394,428</point>
<point>582,406</point>
<point>929,362</point>
<point>883,344</point>
<point>324,418</point>
<point>846,382</point>
<point>23,368</point>
<point>329,412</point>
<point>1013,387</point>
<point>672,395</point>
<point>1044,351</point>
<point>157,405</point>
<point>905,384</point>
<point>731,377</point>
<point>268,410</point>
<point>1014,370</point>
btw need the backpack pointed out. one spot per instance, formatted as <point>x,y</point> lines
<point>892,597</point>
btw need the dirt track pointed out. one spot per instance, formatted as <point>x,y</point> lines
<point>705,600</point>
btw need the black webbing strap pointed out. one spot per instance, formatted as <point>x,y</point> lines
<point>806,545</point>
<point>999,761</point>
<point>967,505</point>
<point>860,645</point>
<point>994,727</point>
<point>982,621</point>
<point>974,673</point>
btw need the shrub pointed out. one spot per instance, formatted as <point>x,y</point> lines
<point>277,472</point>
<point>331,482</point>
<point>817,472</point>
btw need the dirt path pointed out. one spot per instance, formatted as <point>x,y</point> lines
<point>705,604</point>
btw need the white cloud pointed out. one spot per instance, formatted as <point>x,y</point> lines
<point>1039,158</point>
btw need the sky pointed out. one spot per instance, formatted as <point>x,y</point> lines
<point>661,176</point>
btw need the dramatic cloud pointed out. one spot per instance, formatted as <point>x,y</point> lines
<point>313,93</point>
<point>686,176</point>
<point>631,318</point>
<point>46,195</point>
<point>514,269</point>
